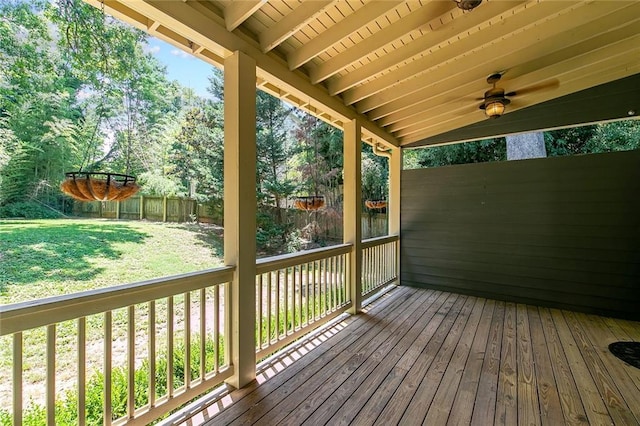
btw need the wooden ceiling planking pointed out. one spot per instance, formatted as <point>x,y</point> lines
<point>406,24</point>
<point>611,58</point>
<point>434,119</point>
<point>290,23</point>
<point>507,53</point>
<point>419,49</point>
<point>411,67</point>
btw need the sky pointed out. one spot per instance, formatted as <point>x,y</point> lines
<point>187,69</point>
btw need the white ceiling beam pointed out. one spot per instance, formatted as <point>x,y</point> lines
<point>587,68</point>
<point>495,45</point>
<point>474,70</point>
<point>574,83</point>
<point>545,37</point>
<point>439,31</point>
<point>413,21</point>
<point>352,23</point>
<point>188,20</point>
<point>152,26</point>
<point>275,34</point>
<point>435,42</point>
<point>238,11</point>
<point>611,57</point>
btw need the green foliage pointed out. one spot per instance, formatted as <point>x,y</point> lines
<point>27,210</point>
<point>66,406</point>
<point>463,153</point>
<point>375,175</point>
<point>591,139</point>
<point>197,154</point>
<point>318,304</point>
<point>77,91</point>
<point>569,141</point>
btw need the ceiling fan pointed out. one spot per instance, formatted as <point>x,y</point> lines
<point>495,99</point>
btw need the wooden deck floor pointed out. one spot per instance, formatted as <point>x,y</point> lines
<point>426,357</point>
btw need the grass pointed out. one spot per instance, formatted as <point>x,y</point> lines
<point>41,258</point>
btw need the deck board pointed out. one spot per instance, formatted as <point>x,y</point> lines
<point>420,356</point>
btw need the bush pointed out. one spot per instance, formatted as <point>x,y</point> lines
<point>27,210</point>
<point>67,408</point>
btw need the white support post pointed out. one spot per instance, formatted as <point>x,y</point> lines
<point>393,206</point>
<point>352,210</point>
<point>240,210</point>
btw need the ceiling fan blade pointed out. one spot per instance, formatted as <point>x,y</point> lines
<point>547,85</point>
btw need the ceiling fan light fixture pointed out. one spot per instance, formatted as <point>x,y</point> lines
<point>467,4</point>
<point>494,108</point>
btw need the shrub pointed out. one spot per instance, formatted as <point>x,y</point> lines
<point>27,210</point>
<point>67,409</point>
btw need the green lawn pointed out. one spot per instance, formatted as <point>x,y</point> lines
<point>40,258</point>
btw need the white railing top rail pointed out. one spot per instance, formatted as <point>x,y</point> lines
<point>377,241</point>
<point>51,310</point>
<point>274,263</point>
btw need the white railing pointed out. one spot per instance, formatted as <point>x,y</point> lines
<point>379,263</point>
<point>148,347</point>
<point>152,346</point>
<point>298,292</point>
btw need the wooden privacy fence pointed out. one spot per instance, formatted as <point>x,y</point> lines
<point>160,209</point>
<point>174,209</point>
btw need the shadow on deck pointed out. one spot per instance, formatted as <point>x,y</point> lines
<point>418,356</point>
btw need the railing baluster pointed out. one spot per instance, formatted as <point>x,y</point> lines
<point>108,319</point>
<point>269,308</point>
<point>286,302</point>
<point>17,378</point>
<point>152,353</point>
<point>227,323</point>
<point>82,369</point>
<point>365,270</point>
<point>260,314</point>
<point>316,305</point>
<point>325,286</point>
<point>299,287</point>
<point>51,374</point>
<point>374,268</point>
<point>203,333</point>
<point>306,287</point>
<point>131,360</point>
<point>346,298</point>
<point>334,282</point>
<point>170,346</point>
<point>187,340</point>
<point>216,327</point>
<point>277,305</point>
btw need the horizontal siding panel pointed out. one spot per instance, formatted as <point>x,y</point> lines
<point>544,281</point>
<point>575,267</point>
<point>601,237</point>
<point>542,230</point>
<point>600,306</point>
<point>544,296</point>
<point>615,257</point>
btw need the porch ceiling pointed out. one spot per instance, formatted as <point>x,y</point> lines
<point>409,70</point>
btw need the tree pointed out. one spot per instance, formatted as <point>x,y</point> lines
<point>197,154</point>
<point>462,153</point>
<point>375,175</point>
<point>37,105</point>
<point>77,92</point>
